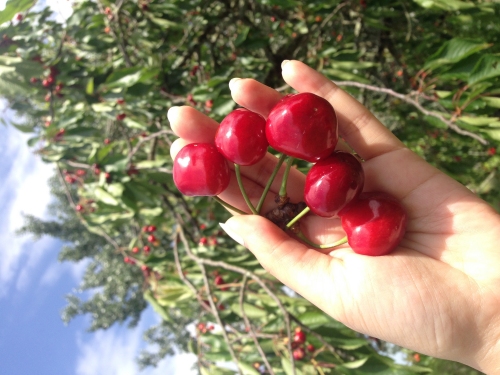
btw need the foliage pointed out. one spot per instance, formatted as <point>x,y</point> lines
<point>94,93</point>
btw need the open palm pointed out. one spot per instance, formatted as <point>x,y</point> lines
<point>438,293</point>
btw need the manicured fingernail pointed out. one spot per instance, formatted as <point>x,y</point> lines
<point>284,63</point>
<point>232,82</point>
<point>171,113</point>
<point>231,234</point>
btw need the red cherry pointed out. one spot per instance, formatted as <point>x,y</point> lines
<point>201,326</point>
<point>203,241</point>
<point>19,17</point>
<point>492,151</point>
<point>120,116</point>
<point>81,172</point>
<point>303,126</point>
<point>299,354</point>
<point>70,179</point>
<point>374,223</point>
<point>299,337</point>
<point>107,141</point>
<point>311,348</point>
<point>145,228</point>
<point>219,280</point>
<point>146,249</point>
<point>33,80</point>
<point>135,250</point>
<point>151,228</point>
<point>79,207</point>
<point>120,101</point>
<point>200,170</point>
<point>332,183</point>
<point>151,238</point>
<point>241,137</point>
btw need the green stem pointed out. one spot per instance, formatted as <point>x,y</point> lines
<point>284,181</point>
<point>298,217</point>
<point>228,206</point>
<point>242,188</point>
<point>316,246</point>
<point>270,182</point>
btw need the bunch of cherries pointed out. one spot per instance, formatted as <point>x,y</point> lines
<point>302,126</point>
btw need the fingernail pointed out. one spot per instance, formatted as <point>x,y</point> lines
<point>231,234</point>
<point>171,113</point>
<point>232,82</point>
<point>284,63</point>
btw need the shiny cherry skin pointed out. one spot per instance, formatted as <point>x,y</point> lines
<point>241,137</point>
<point>332,183</point>
<point>200,170</point>
<point>374,223</point>
<point>303,126</point>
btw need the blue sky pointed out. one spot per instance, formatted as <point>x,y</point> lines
<point>33,338</point>
<point>33,284</point>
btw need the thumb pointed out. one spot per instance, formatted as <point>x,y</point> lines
<point>294,264</point>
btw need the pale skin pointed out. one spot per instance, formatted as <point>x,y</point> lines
<point>437,294</point>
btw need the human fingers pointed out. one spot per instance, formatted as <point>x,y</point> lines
<point>357,125</point>
<point>192,125</point>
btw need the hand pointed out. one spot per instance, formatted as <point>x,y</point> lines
<point>438,293</point>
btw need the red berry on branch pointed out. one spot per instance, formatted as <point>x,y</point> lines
<point>81,172</point>
<point>70,179</point>
<point>374,223</point>
<point>303,126</point>
<point>200,170</point>
<point>299,337</point>
<point>151,238</point>
<point>135,250</point>
<point>121,116</point>
<point>107,141</point>
<point>146,249</point>
<point>120,101</point>
<point>151,228</point>
<point>492,151</point>
<point>79,207</point>
<point>203,241</point>
<point>299,354</point>
<point>241,137</point>
<point>19,17</point>
<point>332,183</point>
<point>33,80</point>
<point>311,348</point>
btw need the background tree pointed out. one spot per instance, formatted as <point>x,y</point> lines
<point>94,93</point>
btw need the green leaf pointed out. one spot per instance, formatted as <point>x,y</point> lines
<point>314,319</point>
<point>13,7</point>
<point>90,86</point>
<point>287,367</point>
<point>453,51</point>
<point>445,4</point>
<point>103,196</point>
<point>491,101</point>
<point>487,68</point>
<point>124,77</point>
<point>24,128</point>
<point>162,22</point>
<point>247,369</point>
<point>156,306</point>
<point>151,212</point>
<point>250,310</point>
<point>355,364</point>
<point>242,36</point>
<point>480,121</point>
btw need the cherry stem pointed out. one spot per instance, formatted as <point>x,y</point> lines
<point>229,206</point>
<point>242,188</point>
<point>298,217</point>
<point>317,246</point>
<point>270,182</point>
<point>289,162</point>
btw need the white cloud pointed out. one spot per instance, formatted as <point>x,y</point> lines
<point>114,351</point>
<point>24,189</point>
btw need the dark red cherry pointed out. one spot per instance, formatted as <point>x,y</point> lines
<point>332,183</point>
<point>241,137</point>
<point>200,170</point>
<point>299,354</point>
<point>303,126</point>
<point>299,337</point>
<point>374,223</point>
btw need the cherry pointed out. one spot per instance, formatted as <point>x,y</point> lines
<point>299,336</point>
<point>33,80</point>
<point>121,116</point>
<point>151,228</point>
<point>332,183</point>
<point>107,141</point>
<point>303,126</point>
<point>299,354</point>
<point>120,101</point>
<point>241,137</point>
<point>70,179</point>
<point>374,223</point>
<point>203,241</point>
<point>146,249</point>
<point>200,170</point>
<point>151,238</point>
<point>310,348</point>
<point>79,207</point>
<point>135,250</point>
